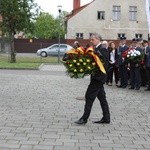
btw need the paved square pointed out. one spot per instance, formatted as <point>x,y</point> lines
<point>38,109</point>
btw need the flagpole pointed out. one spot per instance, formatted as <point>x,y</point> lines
<point>148,14</point>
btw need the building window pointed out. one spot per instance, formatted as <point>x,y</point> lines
<point>120,35</point>
<point>138,36</point>
<point>79,35</point>
<point>116,13</point>
<point>101,15</point>
<point>90,34</point>
<point>132,13</point>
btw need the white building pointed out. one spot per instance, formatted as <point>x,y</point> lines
<point>111,18</point>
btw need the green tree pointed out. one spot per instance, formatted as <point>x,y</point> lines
<point>46,27</point>
<point>63,19</point>
<point>17,16</point>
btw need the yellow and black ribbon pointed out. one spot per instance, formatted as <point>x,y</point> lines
<point>90,51</point>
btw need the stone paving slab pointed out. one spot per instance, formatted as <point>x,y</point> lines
<point>38,110</point>
<point>57,67</point>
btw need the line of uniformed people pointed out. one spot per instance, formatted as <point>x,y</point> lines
<point>135,74</point>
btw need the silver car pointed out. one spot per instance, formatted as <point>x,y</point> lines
<point>53,50</point>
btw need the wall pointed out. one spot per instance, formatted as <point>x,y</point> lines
<point>25,46</point>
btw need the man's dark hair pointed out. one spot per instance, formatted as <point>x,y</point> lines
<point>97,36</point>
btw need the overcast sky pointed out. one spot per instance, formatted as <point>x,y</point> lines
<point>50,6</point>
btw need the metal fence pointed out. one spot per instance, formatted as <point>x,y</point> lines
<point>4,46</point>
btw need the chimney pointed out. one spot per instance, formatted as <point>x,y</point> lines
<point>76,4</point>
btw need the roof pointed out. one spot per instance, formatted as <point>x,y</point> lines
<point>75,11</point>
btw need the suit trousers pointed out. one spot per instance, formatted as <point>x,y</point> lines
<point>135,76</point>
<point>148,76</point>
<point>113,69</point>
<point>123,73</point>
<point>143,75</point>
<point>96,89</point>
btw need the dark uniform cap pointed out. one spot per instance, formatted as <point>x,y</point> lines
<point>145,41</point>
<point>123,38</point>
<point>135,40</point>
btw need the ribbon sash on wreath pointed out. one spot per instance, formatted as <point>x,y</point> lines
<point>89,51</point>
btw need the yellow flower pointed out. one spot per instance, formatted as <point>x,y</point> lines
<point>88,60</point>
<point>84,63</point>
<point>93,63</point>
<point>78,64</point>
<point>74,61</point>
<point>70,65</point>
<point>80,60</point>
<point>75,70</point>
<point>89,67</point>
<point>81,70</point>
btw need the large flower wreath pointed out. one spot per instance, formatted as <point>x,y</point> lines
<point>81,63</point>
<point>133,56</point>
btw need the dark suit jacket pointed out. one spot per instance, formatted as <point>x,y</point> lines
<point>103,54</point>
<point>147,57</point>
<point>121,50</point>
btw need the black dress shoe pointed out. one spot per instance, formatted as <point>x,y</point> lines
<point>131,88</point>
<point>119,86</point>
<point>81,121</point>
<point>148,89</point>
<point>137,88</point>
<point>102,121</point>
<point>124,86</point>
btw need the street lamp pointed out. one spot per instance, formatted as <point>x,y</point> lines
<point>59,11</point>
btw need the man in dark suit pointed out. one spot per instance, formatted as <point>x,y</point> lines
<point>96,88</point>
<point>143,68</point>
<point>135,74</point>
<point>123,71</point>
<point>147,63</point>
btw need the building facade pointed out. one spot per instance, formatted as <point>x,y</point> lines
<point>112,19</point>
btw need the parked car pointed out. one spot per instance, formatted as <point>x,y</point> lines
<point>53,50</point>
